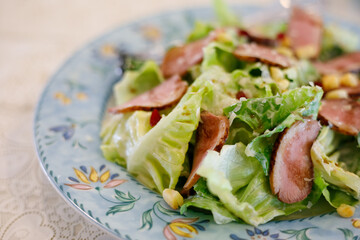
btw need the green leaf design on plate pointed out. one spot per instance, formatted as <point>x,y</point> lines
<point>120,208</point>
<point>146,219</point>
<point>166,211</point>
<point>348,234</point>
<point>122,197</point>
<point>299,234</point>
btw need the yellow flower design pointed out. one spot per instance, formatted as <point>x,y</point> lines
<point>180,227</point>
<point>108,50</point>
<point>81,96</point>
<point>66,100</point>
<point>62,98</point>
<point>84,182</point>
<point>152,33</point>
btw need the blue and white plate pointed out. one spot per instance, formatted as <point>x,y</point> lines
<point>67,124</point>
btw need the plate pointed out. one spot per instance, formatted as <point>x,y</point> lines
<point>66,129</point>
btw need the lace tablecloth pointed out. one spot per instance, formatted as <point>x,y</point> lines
<point>35,38</point>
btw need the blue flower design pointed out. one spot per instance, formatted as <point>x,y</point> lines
<point>67,131</point>
<point>257,234</point>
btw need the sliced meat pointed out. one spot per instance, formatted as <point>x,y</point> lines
<point>305,32</point>
<point>291,174</point>
<point>258,38</point>
<point>345,63</point>
<point>178,60</point>
<point>211,135</point>
<point>254,52</point>
<point>342,114</point>
<point>165,95</point>
<point>354,92</point>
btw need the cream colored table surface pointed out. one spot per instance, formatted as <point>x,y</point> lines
<point>36,37</point>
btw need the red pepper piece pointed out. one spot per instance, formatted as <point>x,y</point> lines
<point>155,117</point>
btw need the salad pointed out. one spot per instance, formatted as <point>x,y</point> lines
<point>248,124</point>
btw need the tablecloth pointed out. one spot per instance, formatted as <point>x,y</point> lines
<point>36,37</point>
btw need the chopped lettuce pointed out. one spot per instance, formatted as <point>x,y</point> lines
<point>205,200</point>
<point>266,117</point>
<point>219,54</point>
<point>254,81</point>
<point>221,214</point>
<point>223,93</point>
<point>337,41</point>
<point>271,29</point>
<point>266,113</point>
<point>246,193</point>
<point>201,30</point>
<point>301,74</point>
<point>335,197</point>
<point>238,168</point>
<point>121,133</point>
<point>134,83</point>
<point>326,160</point>
<point>224,14</point>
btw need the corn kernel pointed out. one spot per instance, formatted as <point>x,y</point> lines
<point>223,37</point>
<point>286,42</point>
<point>305,52</point>
<point>330,82</point>
<point>345,210</point>
<point>356,223</point>
<point>285,51</point>
<point>173,198</point>
<point>283,84</point>
<point>349,80</point>
<point>276,73</point>
<point>337,94</point>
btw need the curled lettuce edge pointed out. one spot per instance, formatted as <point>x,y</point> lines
<point>330,171</point>
<point>133,83</point>
<point>120,134</point>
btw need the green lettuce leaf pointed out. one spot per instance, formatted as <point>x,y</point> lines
<point>224,14</point>
<point>271,29</point>
<point>201,30</point>
<point>238,168</point>
<point>262,114</point>
<point>121,133</point>
<point>246,193</point>
<point>326,160</point>
<point>257,85</point>
<point>267,117</point>
<point>221,55</point>
<point>337,41</point>
<point>205,200</point>
<point>220,213</point>
<point>301,74</point>
<point>157,160</point>
<point>134,83</point>
<point>223,91</point>
<point>335,197</point>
